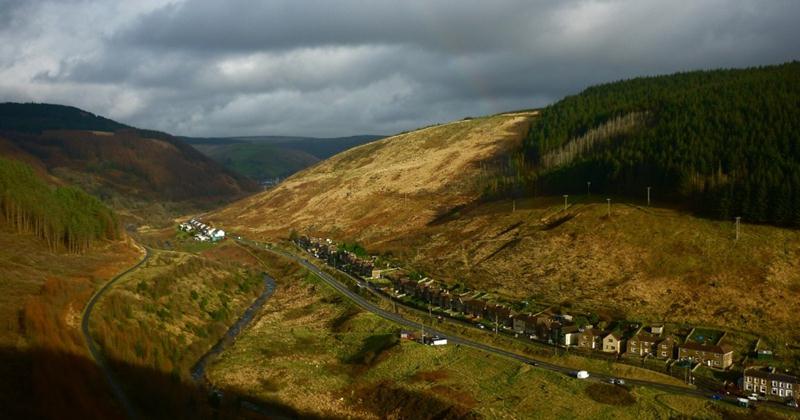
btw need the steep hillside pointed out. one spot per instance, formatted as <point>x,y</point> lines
<point>454,202</point>
<point>382,189</point>
<point>127,167</point>
<point>57,245</point>
<point>724,143</point>
<point>265,158</point>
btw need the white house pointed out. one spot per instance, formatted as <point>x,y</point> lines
<point>571,335</point>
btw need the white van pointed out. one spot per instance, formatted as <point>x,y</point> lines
<point>581,374</point>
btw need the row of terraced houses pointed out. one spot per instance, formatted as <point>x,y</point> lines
<point>560,328</point>
<point>550,326</point>
<point>326,249</point>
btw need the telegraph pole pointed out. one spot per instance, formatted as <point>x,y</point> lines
<point>648,196</point>
<point>608,202</point>
<point>738,219</point>
<point>565,201</point>
<point>588,184</point>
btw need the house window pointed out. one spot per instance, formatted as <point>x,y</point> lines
<point>747,379</point>
<point>763,389</point>
<point>788,393</point>
<point>774,391</point>
<point>747,386</point>
<point>789,386</point>
<point>664,354</point>
<point>774,384</point>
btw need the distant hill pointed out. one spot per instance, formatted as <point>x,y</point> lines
<point>35,118</point>
<point>129,168</point>
<point>269,157</point>
<point>723,143</point>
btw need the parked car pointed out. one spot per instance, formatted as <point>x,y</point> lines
<point>581,374</point>
<point>792,403</point>
<point>716,397</point>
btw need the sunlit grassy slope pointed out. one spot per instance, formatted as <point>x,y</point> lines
<point>413,197</point>
<point>316,352</point>
<point>382,189</point>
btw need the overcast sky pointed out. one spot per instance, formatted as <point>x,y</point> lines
<point>331,68</point>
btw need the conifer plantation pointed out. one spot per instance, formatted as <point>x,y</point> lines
<point>723,143</point>
<point>65,217</point>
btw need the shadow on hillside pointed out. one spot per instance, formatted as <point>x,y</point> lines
<point>488,206</point>
<point>48,384</point>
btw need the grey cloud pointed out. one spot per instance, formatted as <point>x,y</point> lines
<point>205,67</point>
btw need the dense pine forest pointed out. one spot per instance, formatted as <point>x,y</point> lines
<point>35,118</point>
<point>65,217</point>
<point>726,143</point>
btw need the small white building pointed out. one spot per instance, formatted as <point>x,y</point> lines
<point>571,337</point>
<point>217,234</point>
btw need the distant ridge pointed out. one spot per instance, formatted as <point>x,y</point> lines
<point>130,168</point>
<point>269,157</point>
<point>37,117</point>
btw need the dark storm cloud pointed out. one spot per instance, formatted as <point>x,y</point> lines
<point>340,67</point>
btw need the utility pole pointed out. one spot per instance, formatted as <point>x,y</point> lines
<point>495,323</point>
<point>648,196</point>
<point>565,201</point>
<point>608,202</point>
<point>738,219</point>
<point>588,184</point>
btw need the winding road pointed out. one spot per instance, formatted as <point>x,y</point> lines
<point>95,351</point>
<point>455,339</point>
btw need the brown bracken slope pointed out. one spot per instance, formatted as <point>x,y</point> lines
<point>382,190</point>
<point>652,264</point>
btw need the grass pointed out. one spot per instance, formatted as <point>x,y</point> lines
<point>610,394</point>
<point>157,322</point>
<point>171,310</point>
<point>42,295</point>
<point>704,335</point>
<point>294,355</point>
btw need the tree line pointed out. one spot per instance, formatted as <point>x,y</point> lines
<point>65,217</point>
<point>724,142</point>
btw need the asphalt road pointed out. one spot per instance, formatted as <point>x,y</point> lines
<point>454,339</point>
<point>94,350</point>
